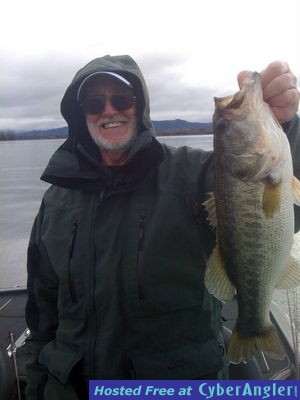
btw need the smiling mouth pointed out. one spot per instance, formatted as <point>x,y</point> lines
<point>110,125</point>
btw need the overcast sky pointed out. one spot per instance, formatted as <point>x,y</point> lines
<point>188,50</point>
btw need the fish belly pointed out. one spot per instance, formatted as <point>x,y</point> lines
<point>255,251</point>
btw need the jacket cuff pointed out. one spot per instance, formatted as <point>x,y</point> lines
<point>288,126</point>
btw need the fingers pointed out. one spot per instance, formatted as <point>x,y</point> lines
<point>280,90</point>
<point>285,105</point>
<point>242,76</point>
<point>289,97</point>
<point>279,86</point>
<point>277,80</point>
<point>284,114</point>
<point>273,71</point>
<point>276,72</point>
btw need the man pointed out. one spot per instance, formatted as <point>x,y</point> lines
<point>118,250</point>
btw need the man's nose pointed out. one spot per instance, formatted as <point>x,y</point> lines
<point>109,108</point>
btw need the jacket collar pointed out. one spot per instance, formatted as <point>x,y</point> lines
<point>79,170</point>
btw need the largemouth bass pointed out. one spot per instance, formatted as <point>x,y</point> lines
<point>252,210</point>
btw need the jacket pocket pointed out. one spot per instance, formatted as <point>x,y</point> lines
<point>54,389</point>
<point>59,360</point>
<point>191,361</point>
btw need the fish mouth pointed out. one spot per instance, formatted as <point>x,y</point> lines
<point>226,106</point>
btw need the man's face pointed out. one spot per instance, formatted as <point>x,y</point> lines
<point>111,130</point>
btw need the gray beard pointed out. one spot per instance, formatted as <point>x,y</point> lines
<point>104,144</point>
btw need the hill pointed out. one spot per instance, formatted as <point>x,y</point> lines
<point>163,128</point>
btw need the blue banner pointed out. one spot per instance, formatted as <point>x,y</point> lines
<point>193,390</point>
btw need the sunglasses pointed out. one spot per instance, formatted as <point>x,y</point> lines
<point>96,105</point>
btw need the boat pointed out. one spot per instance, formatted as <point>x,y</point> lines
<point>14,352</point>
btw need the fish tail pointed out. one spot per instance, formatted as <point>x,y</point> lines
<point>242,348</point>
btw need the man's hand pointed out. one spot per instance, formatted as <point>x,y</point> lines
<point>279,86</point>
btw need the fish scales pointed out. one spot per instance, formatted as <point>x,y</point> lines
<point>252,209</point>
<point>250,252</point>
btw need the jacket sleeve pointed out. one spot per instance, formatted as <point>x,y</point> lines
<point>292,130</point>
<point>41,309</point>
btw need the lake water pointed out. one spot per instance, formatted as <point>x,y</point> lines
<point>21,191</point>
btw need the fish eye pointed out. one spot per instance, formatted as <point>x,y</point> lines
<point>242,175</point>
<point>222,125</point>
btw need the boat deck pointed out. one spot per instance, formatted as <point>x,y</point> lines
<point>12,308</point>
<point>12,319</point>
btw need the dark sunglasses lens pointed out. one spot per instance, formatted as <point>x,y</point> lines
<point>122,102</point>
<point>94,106</point>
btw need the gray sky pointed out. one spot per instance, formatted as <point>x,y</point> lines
<point>189,51</point>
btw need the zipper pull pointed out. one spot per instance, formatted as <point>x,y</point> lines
<point>72,240</point>
<point>102,194</point>
<point>143,215</point>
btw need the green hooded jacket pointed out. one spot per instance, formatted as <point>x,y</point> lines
<point>116,259</point>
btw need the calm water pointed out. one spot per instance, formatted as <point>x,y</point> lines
<point>21,190</point>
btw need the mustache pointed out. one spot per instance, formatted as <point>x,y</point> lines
<point>102,121</point>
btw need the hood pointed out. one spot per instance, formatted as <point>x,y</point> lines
<point>122,65</point>
<point>78,159</point>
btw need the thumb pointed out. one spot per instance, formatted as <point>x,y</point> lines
<point>242,76</point>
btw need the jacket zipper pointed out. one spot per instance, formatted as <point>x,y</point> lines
<point>140,269</point>
<point>97,203</point>
<point>71,251</point>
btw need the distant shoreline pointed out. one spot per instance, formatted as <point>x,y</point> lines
<point>13,139</point>
<point>162,128</point>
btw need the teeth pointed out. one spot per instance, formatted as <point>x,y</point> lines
<point>112,125</point>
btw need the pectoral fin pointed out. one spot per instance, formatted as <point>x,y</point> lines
<point>210,206</point>
<point>296,190</point>
<point>271,199</point>
<point>216,278</point>
<point>291,275</point>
